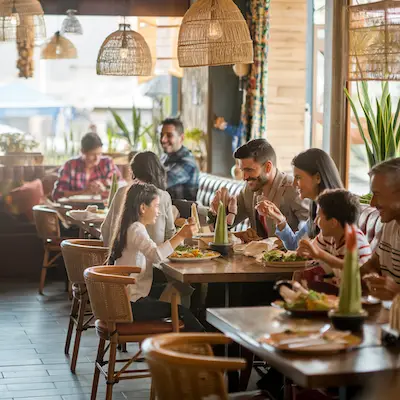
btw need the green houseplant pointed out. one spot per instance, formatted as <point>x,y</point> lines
<point>17,150</point>
<point>381,135</point>
<point>138,130</point>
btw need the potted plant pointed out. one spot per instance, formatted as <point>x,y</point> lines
<point>196,141</point>
<point>133,137</point>
<point>381,133</point>
<point>15,147</point>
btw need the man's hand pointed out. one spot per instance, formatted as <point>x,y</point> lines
<point>188,230</point>
<point>382,287</point>
<point>308,249</point>
<point>230,202</point>
<point>268,209</point>
<point>220,123</point>
<point>96,187</point>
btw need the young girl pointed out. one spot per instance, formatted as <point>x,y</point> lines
<point>314,171</point>
<point>132,245</point>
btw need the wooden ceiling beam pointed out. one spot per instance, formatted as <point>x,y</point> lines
<point>139,8</point>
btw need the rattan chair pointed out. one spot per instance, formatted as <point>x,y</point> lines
<point>48,229</point>
<point>184,367</point>
<point>78,255</point>
<point>107,288</point>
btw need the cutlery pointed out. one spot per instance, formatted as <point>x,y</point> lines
<point>318,335</point>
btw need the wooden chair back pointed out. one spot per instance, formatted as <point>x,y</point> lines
<point>108,294</point>
<point>47,223</point>
<point>183,366</point>
<point>80,254</point>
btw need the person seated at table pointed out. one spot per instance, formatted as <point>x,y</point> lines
<point>336,209</point>
<point>314,171</point>
<point>178,161</point>
<point>382,271</point>
<point>90,173</point>
<point>146,168</point>
<point>257,160</point>
<point>132,246</point>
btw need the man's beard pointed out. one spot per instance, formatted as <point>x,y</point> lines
<point>260,181</point>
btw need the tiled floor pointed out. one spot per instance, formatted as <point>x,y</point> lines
<point>32,361</point>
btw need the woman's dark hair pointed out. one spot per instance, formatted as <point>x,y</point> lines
<point>316,161</point>
<point>91,141</point>
<point>138,194</point>
<point>146,167</point>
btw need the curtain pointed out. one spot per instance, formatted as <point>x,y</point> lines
<point>254,108</point>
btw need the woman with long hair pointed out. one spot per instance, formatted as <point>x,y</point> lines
<point>146,167</point>
<point>132,245</point>
<point>314,171</point>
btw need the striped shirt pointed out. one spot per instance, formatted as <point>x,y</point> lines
<point>328,244</point>
<point>389,250</point>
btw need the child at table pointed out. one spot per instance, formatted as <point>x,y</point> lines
<point>336,209</point>
<point>131,245</point>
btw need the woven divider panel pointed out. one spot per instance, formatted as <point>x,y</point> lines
<point>195,46</point>
<point>109,301</point>
<point>137,62</point>
<point>374,41</point>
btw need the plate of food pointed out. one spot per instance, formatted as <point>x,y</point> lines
<point>304,303</point>
<point>283,259</point>
<point>192,254</point>
<point>323,341</point>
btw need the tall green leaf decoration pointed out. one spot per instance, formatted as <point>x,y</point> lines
<point>381,135</point>
<point>113,189</point>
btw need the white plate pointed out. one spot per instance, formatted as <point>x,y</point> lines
<point>194,259</point>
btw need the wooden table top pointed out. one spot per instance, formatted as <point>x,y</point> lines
<point>355,367</point>
<point>235,268</point>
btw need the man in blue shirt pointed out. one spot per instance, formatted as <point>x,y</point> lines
<point>179,163</point>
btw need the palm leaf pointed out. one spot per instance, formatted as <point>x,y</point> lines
<point>396,126</point>
<point>372,132</point>
<point>380,131</point>
<point>366,100</point>
<point>121,125</point>
<point>136,124</point>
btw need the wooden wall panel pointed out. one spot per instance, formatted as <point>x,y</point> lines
<point>287,79</point>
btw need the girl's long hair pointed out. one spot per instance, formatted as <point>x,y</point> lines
<point>146,167</point>
<point>316,161</point>
<point>138,194</point>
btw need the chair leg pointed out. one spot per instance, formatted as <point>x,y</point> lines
<point>73,314</point>
<point>111,370</point>
<point>99,359</point>
<point>44,271</point>
<point>152,391</point>
<point>78,333</point>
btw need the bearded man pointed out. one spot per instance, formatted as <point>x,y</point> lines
<point>257,161</point>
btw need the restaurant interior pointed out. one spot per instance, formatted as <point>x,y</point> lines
<point>200,199</point>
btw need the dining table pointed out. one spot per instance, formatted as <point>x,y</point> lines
<point>342,370</point>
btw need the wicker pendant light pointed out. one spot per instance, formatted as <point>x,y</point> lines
<point>374,41</point>
<point>58,47</point>
<point>71,24</point>
<point>124,53</point>
<point>214,32</point>
<point>24,14</point>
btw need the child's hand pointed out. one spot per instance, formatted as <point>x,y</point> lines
<point>308,249</point>
<point>189,229</point>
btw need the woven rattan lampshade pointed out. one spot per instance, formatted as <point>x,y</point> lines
<point>58,47</point>
<point>214,32</point>
<point>374,41</point>
<point>71,24</point>
<point>124,53</point>
<point>26,14</point>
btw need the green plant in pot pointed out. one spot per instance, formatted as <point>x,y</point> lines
<point>350,315</point>
<point>381,133</point>
<point>138,130</point>
<point>16,143</point>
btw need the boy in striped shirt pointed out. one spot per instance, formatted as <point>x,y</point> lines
<point>336,209</point>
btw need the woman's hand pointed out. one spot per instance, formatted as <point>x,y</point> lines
<point>268,209</point>
<point>382,287</point>
<point>308,249</point>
